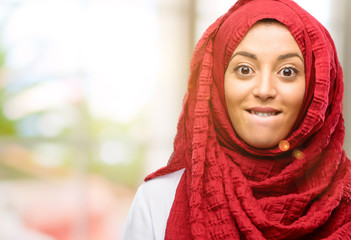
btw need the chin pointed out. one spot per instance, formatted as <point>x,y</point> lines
<point>262,144</point>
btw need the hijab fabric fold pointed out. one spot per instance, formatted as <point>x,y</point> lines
<point>230,190</point>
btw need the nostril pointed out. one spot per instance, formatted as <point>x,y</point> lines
<point>264,93</point>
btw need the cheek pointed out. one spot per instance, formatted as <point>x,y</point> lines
<point>236,95</point>
<point>233,95</point>
<point>293,97</point>
<point>235,91</point>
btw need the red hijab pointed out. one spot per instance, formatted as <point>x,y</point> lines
<point>230,190</point>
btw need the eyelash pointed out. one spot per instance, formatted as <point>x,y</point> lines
<point>294,70</point>
<point>237,70</point>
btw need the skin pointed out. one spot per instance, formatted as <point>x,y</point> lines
<point>264,85</point>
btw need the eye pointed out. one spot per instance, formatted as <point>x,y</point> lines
<point>288,72</point>
<point>243,70</point>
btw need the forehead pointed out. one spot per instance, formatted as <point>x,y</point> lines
<point>268,37</point>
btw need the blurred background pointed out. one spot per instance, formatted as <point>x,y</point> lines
<point>90,94</point>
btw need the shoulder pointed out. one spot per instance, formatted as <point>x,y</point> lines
<point>167,183</point>
<point>148,214</point>
<point>158,194</point>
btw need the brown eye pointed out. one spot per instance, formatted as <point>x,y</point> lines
<point>243,70</point>
<point>288,72</point>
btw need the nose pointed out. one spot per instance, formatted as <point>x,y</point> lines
<point>264,88</point>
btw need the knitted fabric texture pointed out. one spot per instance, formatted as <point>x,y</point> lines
<point>230,190</point>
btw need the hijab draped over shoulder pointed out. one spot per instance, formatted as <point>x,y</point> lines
<point>230,190</point>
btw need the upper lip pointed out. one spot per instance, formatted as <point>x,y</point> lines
<point>264,110</point>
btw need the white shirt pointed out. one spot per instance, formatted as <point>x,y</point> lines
<point>148,214</point>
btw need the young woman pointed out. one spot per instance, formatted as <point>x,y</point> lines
<point>258,153</point>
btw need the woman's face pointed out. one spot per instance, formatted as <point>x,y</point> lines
<point>264,85</point>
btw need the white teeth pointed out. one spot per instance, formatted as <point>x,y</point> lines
<point>261,114</point>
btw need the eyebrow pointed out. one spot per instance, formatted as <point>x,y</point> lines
<point>245,54</point>
<point>253,56</point>
<point>290,55</point>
